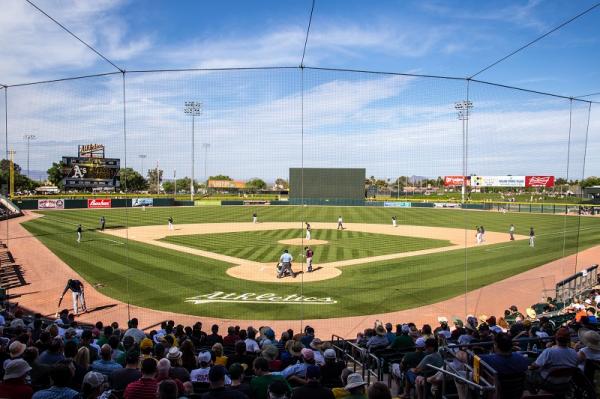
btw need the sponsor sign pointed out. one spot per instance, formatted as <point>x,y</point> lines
<point>498,181</point>
<point>392,204</point>
<point>51,204</point>
<point>456,180</point>
<point>446,205</point>
<point>142,202</point>
<point>539,181</point>
<point>91,150</point>
<point>251,297</point>
<point>98,203</point>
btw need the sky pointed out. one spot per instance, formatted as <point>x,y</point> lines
<point>258,123</point>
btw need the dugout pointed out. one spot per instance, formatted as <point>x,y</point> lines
<point>327,186</point>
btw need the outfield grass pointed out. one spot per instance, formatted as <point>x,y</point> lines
<point>263,246</point>
<point>160,278</point>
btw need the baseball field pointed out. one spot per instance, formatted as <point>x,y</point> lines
<point>370,266</point>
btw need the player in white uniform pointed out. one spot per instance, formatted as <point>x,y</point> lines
<point>308,229</point>
<point>340,225</point>
<point>254,218</point>
<point>394,221</point>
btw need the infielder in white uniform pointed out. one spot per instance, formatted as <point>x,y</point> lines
<point>307,231</point>
<point>531,237</point>
<point>478,235</point>
<point>394,222</point>
<point>340,225</point>
<point>254,218</point>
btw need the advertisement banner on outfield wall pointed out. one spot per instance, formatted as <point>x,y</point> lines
<point>539,181</point>
<point>397,204</point>
<point>498,181</point>
<point>99,203</point>
<point>142,202</point>
<point>446,205</point>
<point>51,204</point>
<point>455,180</point>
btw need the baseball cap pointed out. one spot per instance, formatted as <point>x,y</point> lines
<point>146,343</point>
<point>307,354</point>
<point>420,342</point>
<point>329,354</point>
<point>204,357</point>
<point>216,373</point>
<point>94,379</point>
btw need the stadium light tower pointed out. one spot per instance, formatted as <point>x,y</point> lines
<point>29,137</point>
<point>463,108</point>
<point>192,108</point>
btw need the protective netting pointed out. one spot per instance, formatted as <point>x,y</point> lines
<point>256,124</point>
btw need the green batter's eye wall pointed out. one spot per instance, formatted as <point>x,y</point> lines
<point>334,186</point>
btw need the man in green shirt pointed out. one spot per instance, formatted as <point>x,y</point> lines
<point>403,341</point>
<point>263,378</point>
<point>412,360</point>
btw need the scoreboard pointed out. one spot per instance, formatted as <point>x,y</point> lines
<point>90,171</point>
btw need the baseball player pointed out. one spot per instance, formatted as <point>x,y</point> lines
<point>394,221</point>
<point>531,237</point>
<point>511,232</point>
<point>340,225</point>
<point>482,233</point>
<point>309,258</point>
<point>308,229</point>
<point>478,235</point>
<point>102,223</point>
<point>170,220</point>
<point>76,288</point>
<point>254,218</point>
<point>79,231</point>
<point>286,264</point>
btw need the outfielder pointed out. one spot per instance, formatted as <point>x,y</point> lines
<point>254,218</point>
<point>394,221</point>
<point>309,258</point>
<point>170,220</point>
<point>286,264</point>
<point>102,223</point>
<point>531,237</point>
<point>76,288</point>
<point>79,231</point>
<point>308,229</point>
<point>511,232</point>
<point>340,225</point>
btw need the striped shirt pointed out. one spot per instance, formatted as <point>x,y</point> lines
<point>144,388</point>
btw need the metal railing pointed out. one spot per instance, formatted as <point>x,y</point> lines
<point>370,365</point>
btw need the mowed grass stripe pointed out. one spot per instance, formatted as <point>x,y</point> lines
<point>262,246</point>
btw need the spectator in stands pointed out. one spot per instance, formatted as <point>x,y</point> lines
<point>355,387</point>
<point>236,373</point>
<point>591,315</point>
<point>16,350</point>
<point>293,353</point>
<point>120,378</point>
<point>263,379</point>
<point>379,340</point>
<point>316,345</point>
<point>146,386</point>
<point>53,355</point>
<point>61,376</point>
<point>251,344</point>
<point>240,356</point>
<point>270,352</point>
<point>216,377</point>
<point>106,334</point>
<point>296,373</point>
<point>133,331</point>
<point>163,370</point>
<point>443,329</point>
<point>379,390</point>
<point>410,361</point>
<point>459,328</point>
<point>390,335</point>
<point>94,384</point>
<point>309,335</point>
<point>82,359</point>
<point>268,337</point>
<point>146,347</point>
<point>14,385</point>
<point>177,370</point>
<point>557,356</point>
<point>231,338</point>
<point>432,357</point>
<point>188,355</point>
<point>220,359</point>
<point>201,373</point>
<point>70,353</point>
<point>403,341</point>
<point>105,365</point>
<point>167,389</point>
<point>198,336</point>
<point>214,337</point>
<point>128,344</point>
<point>86,341</point>
<point>278,390</point>
<point>503,360</point>
<point>426,332</point>
<point>114,343</point>
<point>313,388</point>
<point>591,350</point>
<point>331,371</point>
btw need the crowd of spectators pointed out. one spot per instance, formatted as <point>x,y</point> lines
<point>43,358</point>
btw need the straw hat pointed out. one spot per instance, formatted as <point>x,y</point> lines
<point>590,338</point>
<point>380,330</point>
<point>354,380</point>
<point>296,348</point>
<point>531,313</point>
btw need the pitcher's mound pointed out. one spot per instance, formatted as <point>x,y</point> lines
<point>300,241</point>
